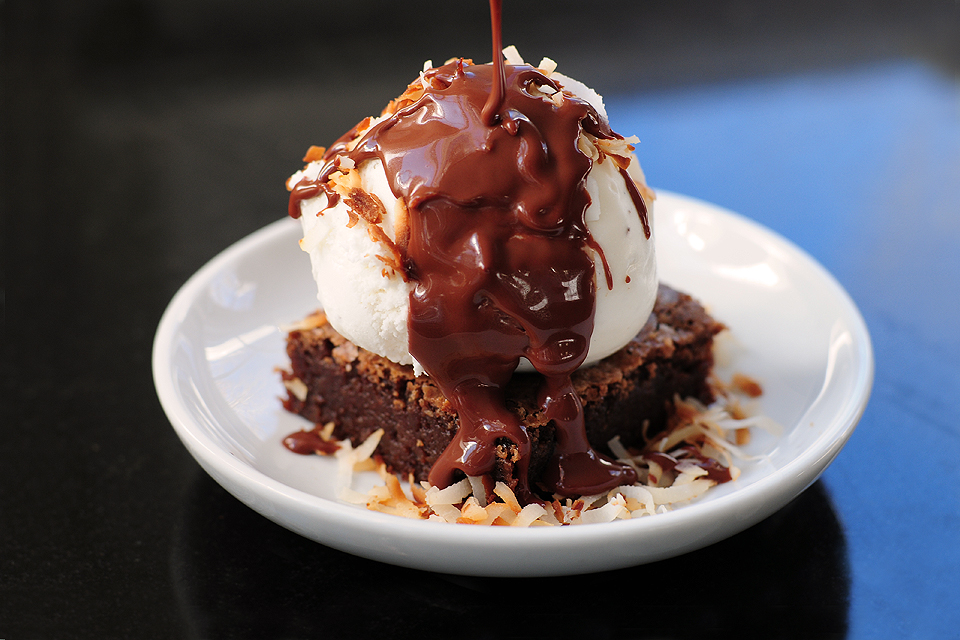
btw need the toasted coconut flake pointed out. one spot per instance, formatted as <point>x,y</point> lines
<point>297,388</point>
<point>550,516</point>
<point>409,510</point>
<point>654,473</point>
<point>365,465</point>
<point>345,461</point>
<point>418,493</point>
<point>378,495</point>
<point>615,508</point>
<point>589,501</point>
<point>479,491</point>
<point>546,90</point>
<point>362,127</point>
<point>587,147</point>
<point>401,225</point>
<point>673,470</point>
<point>393,485</point>
<point>690,432</point>
<point>689,475</point>
<point>326,433</point>
<point>680,493</point>
<point>314,153</point>
<point>617,448</point>
<point>343,183</point>
<point>528,515</point>
<point>512,56</point>
<point>366,205</point>
<point>472,512</point>
<point>725,347</point>
<point>547,66</point>
<point>366,449</point>
<point>454,494</point>
<point>622,147</point>
<point>502,514</point>
<point>447,512</point>
<point>640,497</point>
<point>506,494</point>
<point>746,385</point>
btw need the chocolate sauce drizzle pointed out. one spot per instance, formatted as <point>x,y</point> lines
<point>307,442</point>
<point>491,107</point>
<point>493,179</point>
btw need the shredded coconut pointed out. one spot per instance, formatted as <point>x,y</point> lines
<point>547,66</point>
<point>512,56</point>
<point>297,387</point>
<point>673,470</point>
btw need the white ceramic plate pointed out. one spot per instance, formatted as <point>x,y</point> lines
<point>797,331</point>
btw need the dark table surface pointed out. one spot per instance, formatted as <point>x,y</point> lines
<point>142,137</point>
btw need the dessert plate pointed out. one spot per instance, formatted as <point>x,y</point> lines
<point>794,329</point>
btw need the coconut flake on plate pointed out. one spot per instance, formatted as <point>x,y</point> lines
<point>673,470</point>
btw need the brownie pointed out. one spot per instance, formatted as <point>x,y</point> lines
<point>628,394</point>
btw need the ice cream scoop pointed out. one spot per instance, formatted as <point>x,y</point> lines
<point>366,296</point>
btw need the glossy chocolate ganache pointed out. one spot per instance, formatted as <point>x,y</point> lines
<point>495,244</point>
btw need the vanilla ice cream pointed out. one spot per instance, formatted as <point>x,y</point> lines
<point>366,296</point>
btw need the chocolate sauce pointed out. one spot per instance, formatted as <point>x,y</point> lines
<point>638,202</point>
<point>307,442</point>
<point>494,101</point>
<point>494,181</point>
<point>715,471</point>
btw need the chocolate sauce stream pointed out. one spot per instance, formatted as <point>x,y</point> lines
<point>494,181</point>
<point>491,108</point>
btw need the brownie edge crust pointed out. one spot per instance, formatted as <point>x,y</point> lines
<point>628,394</point>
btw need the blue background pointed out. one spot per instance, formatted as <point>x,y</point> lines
<point>859,166</point>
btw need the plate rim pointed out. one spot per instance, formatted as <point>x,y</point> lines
<point>750,503</point>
